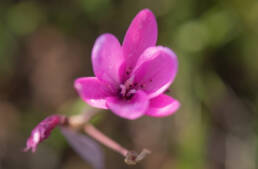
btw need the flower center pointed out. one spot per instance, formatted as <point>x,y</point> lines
<point>128,89</point>
<point>127,92</point>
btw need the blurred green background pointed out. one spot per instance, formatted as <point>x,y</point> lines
<point>46,44</point>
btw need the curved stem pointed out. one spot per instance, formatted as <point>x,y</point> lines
<point>99,136</point>
<point>78,121</point>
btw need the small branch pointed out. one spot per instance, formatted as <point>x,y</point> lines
<point>44,128</point>
<point>99,136</point>
<point>82,121</point>
<point>131,157</point>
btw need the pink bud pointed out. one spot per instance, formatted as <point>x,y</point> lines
<point>42,131</point>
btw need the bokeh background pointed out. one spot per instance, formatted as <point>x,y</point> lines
<point>46,44</point>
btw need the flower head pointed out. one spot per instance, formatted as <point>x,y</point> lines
<point>131,78</point>
<point>42,131</point>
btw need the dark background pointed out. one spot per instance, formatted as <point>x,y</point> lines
<point>46,44</point>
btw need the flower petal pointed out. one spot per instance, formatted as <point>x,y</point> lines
<point>98,103</point>
<point>107,58</point>
<point>162,105</point>
<point>129,109</point>
<point>141,34</point>
<point>93,91</point>
<point>155,70</point>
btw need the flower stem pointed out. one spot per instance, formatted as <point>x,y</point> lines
<point>78,121</point>
<point>82,120</point>
<point>99,136</point>
<point>131,157</point>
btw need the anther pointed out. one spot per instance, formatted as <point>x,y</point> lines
<point>123,90</point>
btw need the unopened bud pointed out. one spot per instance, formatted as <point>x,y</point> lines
<point>42,131</point>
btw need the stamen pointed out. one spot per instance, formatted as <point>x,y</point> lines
<point>129,81</point>
<point>131,92</point>
<point>123,89</point>
<point>127,89</point>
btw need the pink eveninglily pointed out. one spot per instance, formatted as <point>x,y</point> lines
<point>131,78</point>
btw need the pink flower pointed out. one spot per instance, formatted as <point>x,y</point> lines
<point>131,78</point>
<point>42,131</point>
